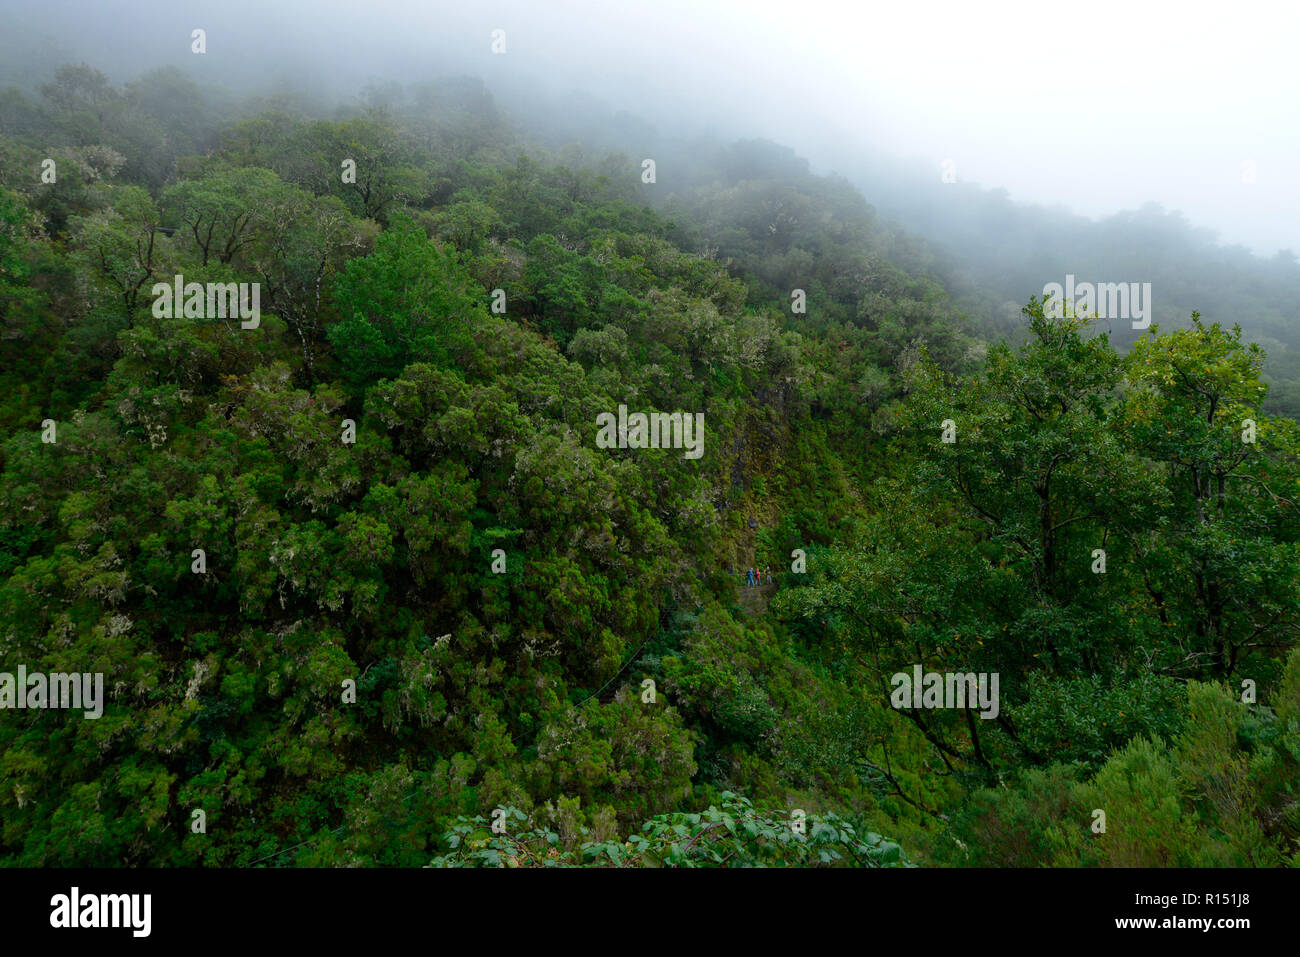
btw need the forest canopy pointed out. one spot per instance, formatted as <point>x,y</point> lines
<point>362,583</point>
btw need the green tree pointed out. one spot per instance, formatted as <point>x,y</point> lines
<point>408,301</point>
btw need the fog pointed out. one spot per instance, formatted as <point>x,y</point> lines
<point>1098,106</point>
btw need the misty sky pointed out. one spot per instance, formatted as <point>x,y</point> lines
<point>1098,106</point>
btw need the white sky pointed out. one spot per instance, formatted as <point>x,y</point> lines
<point>1100,105</point>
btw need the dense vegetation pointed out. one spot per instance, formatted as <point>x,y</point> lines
<point>500,589</point>
<point>989,251</point>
